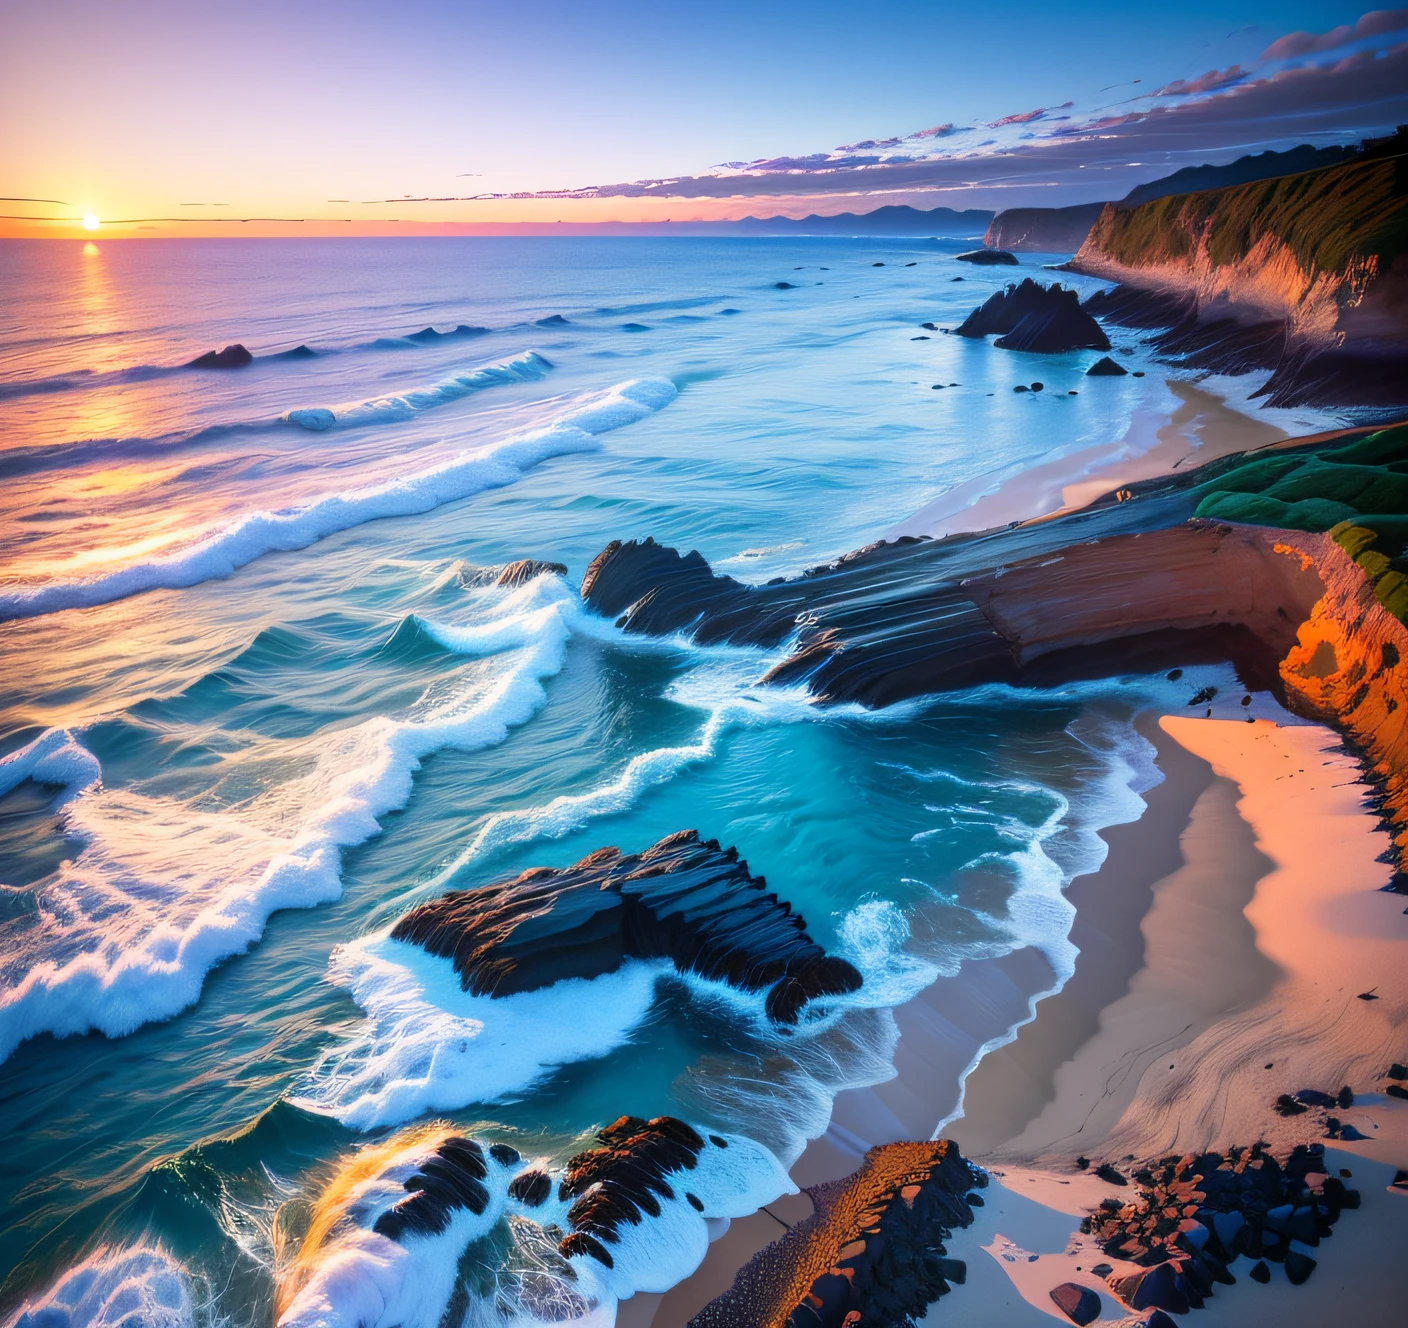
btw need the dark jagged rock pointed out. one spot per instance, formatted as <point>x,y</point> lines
<point>988,257</point>
<point>1260,1272</point>
<point>1108,1174</point>
<point>1105,367</point>
<point>1140,306</point>
<point>625,1177</point>
<point>1030,316</point>
<point>552,320</point>
<point>688,901</point>
<point>872,1252</point>
<point>232,357</point>
<point>1161,1287</point>
<point>1078,1303</point>
<point>525,569</point>
<point>451,1178</point>
<point>531,1188</point>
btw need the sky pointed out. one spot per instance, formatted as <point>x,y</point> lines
<point>166,117</point>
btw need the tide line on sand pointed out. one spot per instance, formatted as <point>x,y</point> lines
<point>1260,832</point>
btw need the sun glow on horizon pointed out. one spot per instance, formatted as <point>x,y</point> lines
<point>90,222</point>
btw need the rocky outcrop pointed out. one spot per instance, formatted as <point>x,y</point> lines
<point>1306,275</point>
<point>624,1179</point>
<point>526,569</point>
<point>872,1251</point>
<point>232,357</point>
<point>1224,563</point>
<point>1105,367</point>
<point>1042,230</point>
<point>988,257</point>
<point>1030,316</point>
<point>683,899</point>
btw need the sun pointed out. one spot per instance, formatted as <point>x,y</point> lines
<point>90,222</point>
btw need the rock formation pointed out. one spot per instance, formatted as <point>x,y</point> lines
<point>1042,230</point>
<point>1105,367</point>
<point>1030,316</point>
<point>871,1253</point>
<point>1224,563</point>
<point>232,357</point>
<point>988,257</point>
<point>526,569</point>
<point>684,900</point>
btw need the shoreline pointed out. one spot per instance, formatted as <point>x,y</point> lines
<point>1243,866</point>
<point>1202,427</point>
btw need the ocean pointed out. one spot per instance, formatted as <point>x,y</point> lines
<point>260,695</point>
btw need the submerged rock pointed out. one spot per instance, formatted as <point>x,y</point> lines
<point>683,899</point>
<point>1030,316</point>
<point>988,257</point>
<point>525,569</point>
<point>232,357</point>
<point>1105,367</point>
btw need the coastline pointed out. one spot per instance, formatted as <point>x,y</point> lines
<point>1201,427</point>
<point>1229,918</point>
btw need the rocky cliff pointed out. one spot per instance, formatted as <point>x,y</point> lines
<point>1316,263</point>
<point>1043,230</point>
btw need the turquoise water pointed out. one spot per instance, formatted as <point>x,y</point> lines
<point>259,696</point>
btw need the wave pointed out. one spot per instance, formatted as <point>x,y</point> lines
<point>526,368</point>
<point>227,548</point>
<point>388,1235</point>
<point>113,1288</point>
<point>140,373</point>
<point>161,892</point>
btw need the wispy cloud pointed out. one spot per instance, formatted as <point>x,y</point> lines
<point>1306,87</point>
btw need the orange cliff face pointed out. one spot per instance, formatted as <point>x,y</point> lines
<point>1346,669</point>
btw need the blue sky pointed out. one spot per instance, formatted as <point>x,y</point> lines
<point>278,108</point>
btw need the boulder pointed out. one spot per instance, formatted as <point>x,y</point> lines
<point>1078,1303</point>
<point>1298,1267</point>
<point>232,357</point>
<point>1260,1272</point>
<point>1105,367</point>
<point>988,257</point>
<point>1108,1174</point>
<point>1159,1287</point>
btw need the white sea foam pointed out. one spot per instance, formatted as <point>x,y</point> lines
<point>162,892</point>
<point>525,368</point>
<point>141,1287</point>
<point>224,549</point>
<point>55,758</point>
<point>431,1046</point>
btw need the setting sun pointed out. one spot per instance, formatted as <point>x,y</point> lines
<point>90,222</point>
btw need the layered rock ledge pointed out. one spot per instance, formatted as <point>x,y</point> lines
<point>871,1252</point>
<point>683,899</point>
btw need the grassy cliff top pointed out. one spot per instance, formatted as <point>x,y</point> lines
<point>1329,218</point>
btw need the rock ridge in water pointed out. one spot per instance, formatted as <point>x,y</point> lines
<point>232,357</point>
<point>1030,316</point>
<point>988,258</point>
<point>683,899</point>
<point>871,1253</point>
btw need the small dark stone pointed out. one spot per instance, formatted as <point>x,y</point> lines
<point>975,1200</point>
<point>919,338</point>
<point>1082,1163</point>
<point>1174,675</point>
<point>1313,1097</point>
<point>1260,1272</point>
<point>1345,1097</point>
<point>718,1141</point>
<point>1367,996</point>
<point>1105,367</point>
<point>1397,1090</point>
<point>1107,1173</point>
<point>1286,1105</point>
<point>877,265</point>
<point>1073,393</point>
<point>695,1202</point>
<point>1102,1270</point>
<point>911,265</point>
<point>1038,387</point>
<point>1139,373</point>
<point>1078,1303</point>
<point>1021,387</point>
<point>504,1155</point>
<point>1298,1267</point>
<point>929,327</point>
<point>784,285</point>
<point>1397,1071</point>
<point>955,278</point>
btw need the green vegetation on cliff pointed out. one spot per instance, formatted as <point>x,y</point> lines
<point>1356,491</point>
<point>1328,218</point>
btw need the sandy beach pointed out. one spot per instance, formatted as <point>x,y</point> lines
<point>1223,946</point>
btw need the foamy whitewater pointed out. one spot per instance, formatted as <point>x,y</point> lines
<point>261,693</point>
